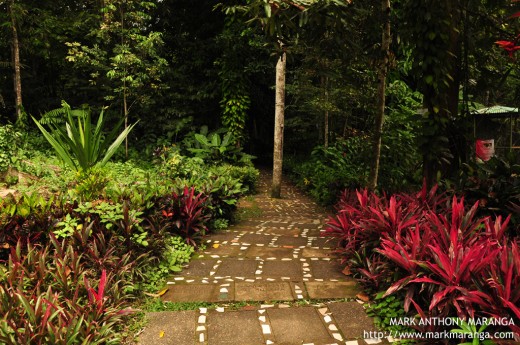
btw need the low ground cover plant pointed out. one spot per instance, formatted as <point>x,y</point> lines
<point>432,251</point>
<point>78,248</point>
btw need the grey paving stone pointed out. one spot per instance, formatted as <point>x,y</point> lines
<point>317,253</point>
<point>222,236</point>
<point>223,250</point>
<point>291,269</point>
<point>323,242</point>
<point>303,325</point>
<point>255,238</point>
<point>269,252</point>
<point>351,319</point>
<point>322,269</point>
<point>263,291</point>
<point>324,290</point>
<point>176,328</point>
<point>291,241</point>
<point>237,268</point>
<point>234,328</point>
<point>198,268</point>
<point>280,231</point>
<point>198,293</point>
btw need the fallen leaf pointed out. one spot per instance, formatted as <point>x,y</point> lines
<point>346,271</point>
<point>216,245</point>
<point>161,334</point>
<point>162,292</point>
<point>159,294</point>
<point>363,296</point>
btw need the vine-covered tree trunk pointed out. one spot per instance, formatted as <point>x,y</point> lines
<point>278,127</point>
<point>381,89</point>
<point>16,63</point>
<point>442,104</point>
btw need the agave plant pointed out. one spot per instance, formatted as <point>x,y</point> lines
<point>81,145</point>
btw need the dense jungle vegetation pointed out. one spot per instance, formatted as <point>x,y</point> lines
<point>130,129</point>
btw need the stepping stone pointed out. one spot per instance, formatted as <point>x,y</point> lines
<point>168,327</point>
<point>237,268</point>
<point>223,250</point>
<point>269,252</point>
<point>199,268</point>
<point>198,293</point>
<point>326,290</point>
<point>316,253</point>
<point>291,241</point>
<point>323,242</point>
<point>255,238</point>
<point>279,231</point>
<point>298,326</point>
<point>234,328</point>
<point>263,291</point>
<point>351,319</point>
<point>292,269</point>
<point>327,269</point>
<point>222,236</point>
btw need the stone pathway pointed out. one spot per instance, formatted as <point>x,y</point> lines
<point>264,273</point>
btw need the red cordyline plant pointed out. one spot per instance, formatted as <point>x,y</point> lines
<point>440,270</point>
<point>497,290</point>
<point>364,220</point>
<point>184,214</point>
<point>510,46</point>
<point>443,258</point>
<point>47,297</point>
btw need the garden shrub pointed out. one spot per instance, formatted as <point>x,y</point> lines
<point>330,170</point>
<point>105,236</point>
<point>184,214</point>
<point>216,148</point>
<point>496,185</point>
<point>55,294</point>
<point>441,256</point>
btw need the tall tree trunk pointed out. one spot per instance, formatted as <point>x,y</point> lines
<point>381,89</point>
<point>16,64</point>
<point>325,85</point>
<point>278,127</point>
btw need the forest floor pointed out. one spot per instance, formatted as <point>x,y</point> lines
<point>269,279</point>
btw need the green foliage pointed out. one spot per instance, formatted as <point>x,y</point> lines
<point>472,332</point>
<point>345,164</point>
<point>495,184</point>
<point>90,185</point>
<point>120,54</point>
<point>235,100</point>
<point>330,170</point>
<point>173,165</point>
<point>9,141</point>
<point>175,254</point>
<point>66,227</point>
<point>246,175</point>
<point>81,146</point>
<point>213,148</point>
<point>219,224</point>
<point>386,309</point>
